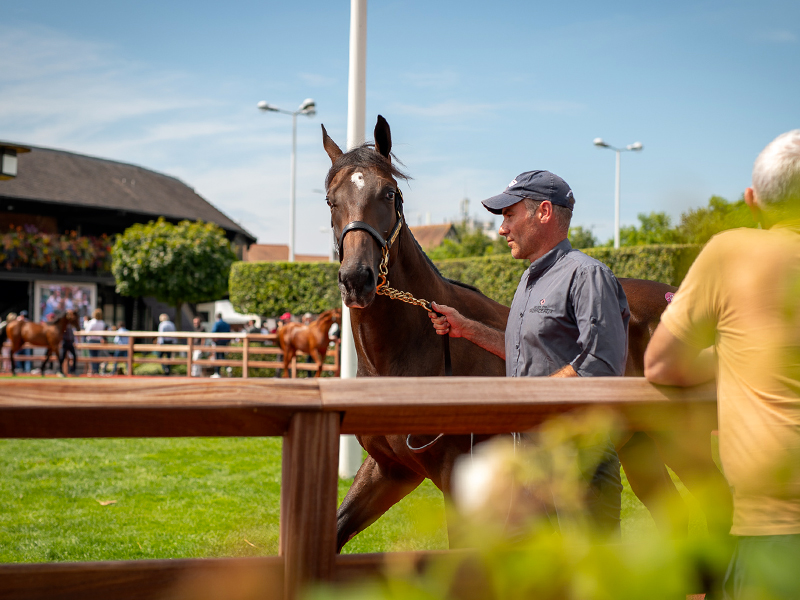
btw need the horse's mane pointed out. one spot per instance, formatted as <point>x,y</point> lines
<point>365,156</point>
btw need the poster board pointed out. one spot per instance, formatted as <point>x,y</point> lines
<point>53,296</point>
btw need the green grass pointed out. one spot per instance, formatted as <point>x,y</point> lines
<point>190,497</point>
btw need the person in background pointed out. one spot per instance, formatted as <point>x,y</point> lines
<point>736,318</point>
<point>220,326</point>
<point>24,365</point>
<point>95,324</point>
<point>165,325</point>
<point>251,327</point>
<point>197,326</point>
<point>6,350</point>
<point>120,340</point>
<point>68,347</point>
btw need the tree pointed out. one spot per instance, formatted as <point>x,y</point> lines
<point>655,228</point>
<point>580,237</point>
<point>187,262</point>
<point>468,243</point>
<point>698,225</point>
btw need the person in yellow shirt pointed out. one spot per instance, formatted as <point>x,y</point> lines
<point>736,316</point>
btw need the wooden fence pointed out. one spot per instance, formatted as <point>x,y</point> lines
<point>309,414</point>
<point>254,349</point>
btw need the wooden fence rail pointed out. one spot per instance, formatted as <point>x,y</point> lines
<point>310,415</point>
<point>255,347</point>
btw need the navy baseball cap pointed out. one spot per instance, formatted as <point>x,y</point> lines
<point>536,185</point>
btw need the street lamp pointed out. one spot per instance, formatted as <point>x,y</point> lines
<point>635,147</point>
<point>308,108</point>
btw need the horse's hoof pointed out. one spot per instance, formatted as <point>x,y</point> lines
<point>61,374</point>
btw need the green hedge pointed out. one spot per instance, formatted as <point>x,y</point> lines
<point>498,276</point>
<point>271,289</point>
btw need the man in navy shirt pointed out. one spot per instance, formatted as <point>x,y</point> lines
<point>569,316</point>
<point>220,326</point>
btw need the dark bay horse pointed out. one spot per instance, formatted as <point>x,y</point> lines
<point>48,335</point>
<point>312,339</point>
<point>394,338</point>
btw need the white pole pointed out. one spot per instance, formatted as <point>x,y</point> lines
<point>616,206</point>
<point>349,448</point>
<point>291,196</point>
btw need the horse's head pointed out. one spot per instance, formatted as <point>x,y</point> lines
<point>366,209</point>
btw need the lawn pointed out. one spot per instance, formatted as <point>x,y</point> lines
<point>113,499</point>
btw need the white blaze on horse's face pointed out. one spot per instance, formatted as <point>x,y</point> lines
<point>358,179</point>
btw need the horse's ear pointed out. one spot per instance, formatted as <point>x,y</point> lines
<point>330,146</point>
<point>383,137</point>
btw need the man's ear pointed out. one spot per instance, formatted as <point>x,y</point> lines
<point>546,211</point>
<point>752,204</point>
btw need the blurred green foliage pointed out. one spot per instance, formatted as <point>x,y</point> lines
<point>272,288</point>
<point>187,262</point>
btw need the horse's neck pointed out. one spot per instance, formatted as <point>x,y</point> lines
<point>323,324</point>
<point>409,271</point>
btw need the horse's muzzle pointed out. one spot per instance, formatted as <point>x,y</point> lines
<point>357,285</point>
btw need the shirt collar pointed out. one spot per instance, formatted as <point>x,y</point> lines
<point>541,264</point>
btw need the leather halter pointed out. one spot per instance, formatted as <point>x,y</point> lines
<point>387,243</point>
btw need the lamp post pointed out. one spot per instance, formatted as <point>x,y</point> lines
<point>635,147</point>
<point>308,108</point>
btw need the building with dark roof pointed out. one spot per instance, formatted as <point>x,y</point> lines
<point>59,192</point>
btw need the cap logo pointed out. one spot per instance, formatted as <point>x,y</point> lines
<point>669,296</point>
<point>542,301</point>
<point>513,182</point>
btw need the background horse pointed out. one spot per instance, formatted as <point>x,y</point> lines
<point>312,339</point>
<point>396,338</point>
<point>48,335</point>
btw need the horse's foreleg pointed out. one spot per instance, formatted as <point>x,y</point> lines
<point>375,490</point>
<point>319,359</point>
<point>288,355</point>
<point>650,481</point>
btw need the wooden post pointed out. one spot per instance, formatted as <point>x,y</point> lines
<point>190,343</point>
<point>308,519</point>
<point>294,367</point>
<point>129,362</point>
<point>245,355</point>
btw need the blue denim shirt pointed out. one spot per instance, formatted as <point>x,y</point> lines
<point>568,309</point>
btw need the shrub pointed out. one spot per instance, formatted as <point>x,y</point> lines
<point>272,288</point>
<point>498,276</point>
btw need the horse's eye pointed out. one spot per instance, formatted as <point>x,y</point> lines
<point>328,202</point>
<point>390,195</point>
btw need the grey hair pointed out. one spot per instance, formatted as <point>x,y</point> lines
<point>562,213</point>
<point>776,172</point>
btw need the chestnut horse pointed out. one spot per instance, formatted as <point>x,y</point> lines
<point>394,338</point>
<point>48,335</point>
<point>312,339</point>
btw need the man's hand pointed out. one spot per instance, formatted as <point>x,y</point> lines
<point>565,371</point>
<point>454,324</point>
<point>450,323</point>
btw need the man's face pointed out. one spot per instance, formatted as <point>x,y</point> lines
<point>521,230</point>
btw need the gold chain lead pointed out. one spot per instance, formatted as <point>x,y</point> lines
<point>383,288</point>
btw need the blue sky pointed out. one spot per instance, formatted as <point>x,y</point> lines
<point>475,93</point>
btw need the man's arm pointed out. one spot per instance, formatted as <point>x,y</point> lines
<point>454,324</point>
<point>671,361</point>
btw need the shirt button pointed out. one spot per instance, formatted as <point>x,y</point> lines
<point>522,314</point>
<point>517,346</point>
